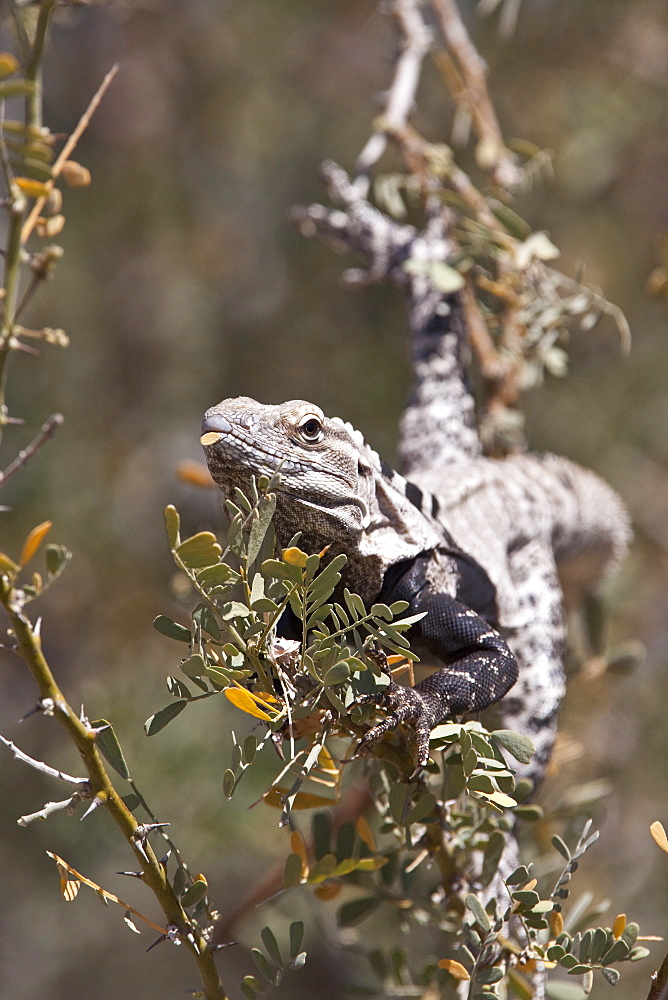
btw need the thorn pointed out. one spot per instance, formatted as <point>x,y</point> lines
<point>14,420</point>
<point>132,874</point>
<point>163,937</point>
<point>33,711</point>
<point>96,730</point>
<point>18,345</point>
<point>141,833</point>
<point>226,944</point>
<point>163,861</point>
<point>92,807</point>
<point>37,628</point>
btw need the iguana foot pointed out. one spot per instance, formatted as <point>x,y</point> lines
<point>402,705</point>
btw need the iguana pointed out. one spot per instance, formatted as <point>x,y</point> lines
<point>473,541</point>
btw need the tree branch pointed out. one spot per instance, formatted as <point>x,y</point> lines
<point>49,428</point>
<point>400,96</point>
<point>468,85</point>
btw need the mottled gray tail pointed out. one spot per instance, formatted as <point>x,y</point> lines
<point>591,527</point>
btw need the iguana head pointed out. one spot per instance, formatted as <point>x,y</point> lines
<point>333,488</point>
<point>326,485</point>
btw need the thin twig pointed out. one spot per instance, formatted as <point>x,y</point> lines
<point>67,149</point>
<point>49,428</point>
<point>44,768</point>
<point>20,29</point>
<point>49,809</point>
<point>400,97</point>
<point>474,94</point>
<point>64,867</point>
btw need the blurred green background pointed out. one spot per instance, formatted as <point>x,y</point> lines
<point>183,282</point>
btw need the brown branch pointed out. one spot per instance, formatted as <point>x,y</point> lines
<point>467,81</point>
<point>67,150</point>
<point>49,428</point>
<point>400,96</point>
<point>104,793</point>
<point>659,990</point>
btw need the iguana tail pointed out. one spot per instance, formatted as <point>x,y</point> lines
<point>591,527</point>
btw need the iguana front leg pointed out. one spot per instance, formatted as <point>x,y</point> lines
<point>480,671</point>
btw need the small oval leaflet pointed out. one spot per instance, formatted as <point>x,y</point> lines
<point>110,748</point>
<point>456,969</point>
<point>162,718</point>
<point>194,892</point>
<point>166,626</point>
<point>292,872</point>
<point>520,746</point>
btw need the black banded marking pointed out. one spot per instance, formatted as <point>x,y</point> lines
<point>414,494</point>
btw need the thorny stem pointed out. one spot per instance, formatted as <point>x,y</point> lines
<point>102,789</point>
<point>49,428</point>
<point>33,70</point>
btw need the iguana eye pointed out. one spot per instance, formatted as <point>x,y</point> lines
<point>310,428</point>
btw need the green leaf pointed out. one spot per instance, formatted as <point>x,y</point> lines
<point>564,991</point>
<point>357,910</point>
<point>204,617</point>
<point>250,987</point>
<point>234,609</point>
<point>162,718</point>
<point>262,963</point>
<point>397,799</point>
<point>476,908</point>
<point>228,783</point>
<point>421,809</point>
<point>531,813</point>
<point>527,897</point>
<point>638,953</point>
<point>194,893</point>
<point>519,876</point>
<point>200,550</point>
<point>480,783</point>
<point>492,856</point>
<point>172,524</point>
<point>619,951</point>
<point>612,976</point>
<point>220,575</point>
<point>271,944</point>
<point>355,604</point>
<point>279,570</point>
<point>518,745</point>
<point>56,558</point>
<point>194,666</point>
<point>16,88</point>
<point>131,801</point>
<point>177,688</point>
<point>292,872</point>
<point>110,748</point>
<point>296,937</point>
<point>260,526</point>
<point>250,749</point>
<point>322,869</point>
<point>631,931</point>
<point>561,846</point>
<point>337,674</point>
<point>171,629</point>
